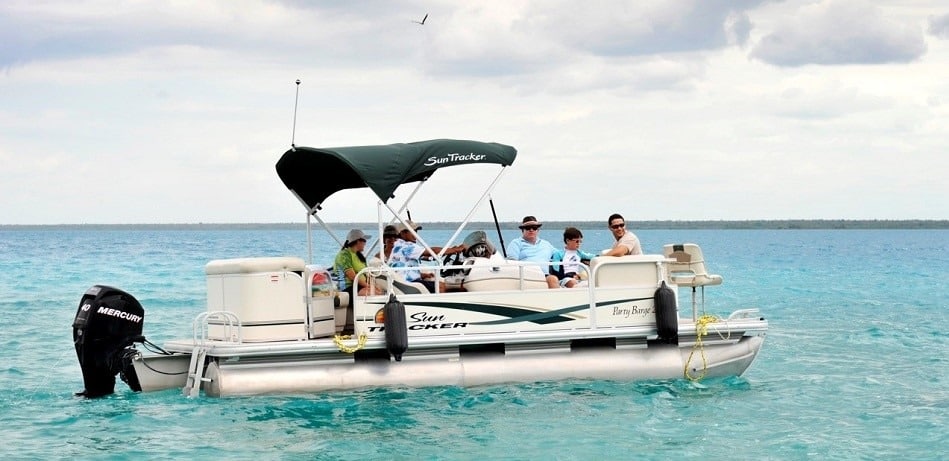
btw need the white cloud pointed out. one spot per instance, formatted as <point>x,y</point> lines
<point>171,112</point>
<point>607,28</point>
<point>738,28</point>
<point>840,32</point>
<point>939,26</point>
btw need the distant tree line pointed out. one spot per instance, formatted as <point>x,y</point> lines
<point>723,224</point>
<point>667,224</point>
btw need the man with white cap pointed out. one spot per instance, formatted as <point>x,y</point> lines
<point>407,252</point>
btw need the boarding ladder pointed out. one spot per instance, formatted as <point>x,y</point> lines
<point>232,333</point>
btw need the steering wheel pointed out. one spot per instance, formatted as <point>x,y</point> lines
<point>451,260</point>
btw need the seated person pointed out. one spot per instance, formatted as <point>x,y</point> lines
<point>530,247</point>
<point>350,261</point>
<point>407,252</point>
<point>389,235</point>
<point>626,242</point>
<point>571,256</point>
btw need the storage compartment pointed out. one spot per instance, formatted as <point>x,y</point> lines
<point>268,295</point>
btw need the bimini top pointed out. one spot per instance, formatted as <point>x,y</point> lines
<point>314,174</point>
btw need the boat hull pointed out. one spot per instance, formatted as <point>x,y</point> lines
<point>160,372</point>
<point>663,361</point>
<point>608,329</point>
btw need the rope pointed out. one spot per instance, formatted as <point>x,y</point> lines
<point>44,383</point>
<point>132,353</point>
<point>360,343</point>
<point>701,329</point>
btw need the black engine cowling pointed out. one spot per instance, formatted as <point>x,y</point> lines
<point>107,324</point>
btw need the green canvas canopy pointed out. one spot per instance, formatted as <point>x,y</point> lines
<point>314,174</point>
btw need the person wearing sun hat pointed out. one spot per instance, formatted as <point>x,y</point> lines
<point>350,261</point>
<point>400,228</point>
<point>530,247</point>
<point>407,252</point>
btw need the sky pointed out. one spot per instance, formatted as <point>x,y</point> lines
<point>131,112</point>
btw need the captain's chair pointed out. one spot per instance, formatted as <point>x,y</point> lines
<point>687,268</point>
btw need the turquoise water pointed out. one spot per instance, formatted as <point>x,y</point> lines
<point>854,367</point>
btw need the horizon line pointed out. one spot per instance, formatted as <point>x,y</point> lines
<point>821,223</point>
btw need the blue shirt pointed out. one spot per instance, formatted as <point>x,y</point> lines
<point>570,263</point>
<point>539,251</point>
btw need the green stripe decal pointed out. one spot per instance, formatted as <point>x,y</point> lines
<point>519,314</point>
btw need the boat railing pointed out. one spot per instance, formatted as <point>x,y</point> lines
<point>228,321</point>
<point>603,273</point>
<point>748,313</point>
<point>626,271</point>
<point>388,275</point>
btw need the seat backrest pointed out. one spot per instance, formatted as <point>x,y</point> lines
<point>498,274</point>
<point>409,288</point>
<point>688,265</point>
<point>400,285</point>
<point>688,258</point>
<point>629,270</point>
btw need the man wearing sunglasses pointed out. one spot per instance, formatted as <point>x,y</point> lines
<point>626,242</point>
<point>530,247</point>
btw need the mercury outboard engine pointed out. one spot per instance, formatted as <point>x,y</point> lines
<point>107,324</point>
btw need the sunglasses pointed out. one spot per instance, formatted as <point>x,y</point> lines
<point>618,226</point>
<point>530,228</point>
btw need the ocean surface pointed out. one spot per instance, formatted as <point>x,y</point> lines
<point>855,366</point>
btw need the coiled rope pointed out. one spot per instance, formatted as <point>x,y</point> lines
<point>360,343</point>
<point>701,329</point>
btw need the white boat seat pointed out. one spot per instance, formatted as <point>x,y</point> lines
<point>498,274</point>
<point>641,270</point>
<point>401,285</point>
<point>688,268</point>
<point>254,265</point>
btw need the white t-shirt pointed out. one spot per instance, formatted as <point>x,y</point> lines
<point>630,242</point>
<point>571,261</point>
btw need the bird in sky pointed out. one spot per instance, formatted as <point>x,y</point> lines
<point>422,22</point>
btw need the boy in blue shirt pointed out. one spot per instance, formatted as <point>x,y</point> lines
<point>569,274</point>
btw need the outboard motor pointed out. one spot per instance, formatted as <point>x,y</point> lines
<point>397,332</point>
<point>667,318</point>
<point>107,324</point>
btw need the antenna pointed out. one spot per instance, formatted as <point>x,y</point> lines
<point>293,134</point>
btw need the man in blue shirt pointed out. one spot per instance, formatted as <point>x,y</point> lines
<point>530,247</point>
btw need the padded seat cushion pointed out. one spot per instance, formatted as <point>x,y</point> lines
<point>254,265</point>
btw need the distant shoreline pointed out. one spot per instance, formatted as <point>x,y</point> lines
<point>661,225</point>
